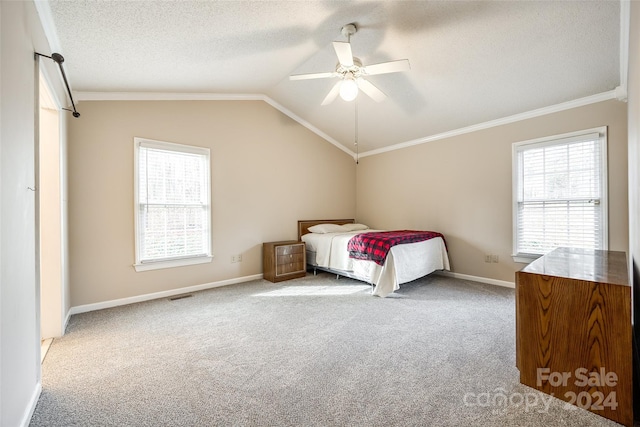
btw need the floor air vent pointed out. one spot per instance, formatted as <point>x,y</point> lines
<point>180,297</point>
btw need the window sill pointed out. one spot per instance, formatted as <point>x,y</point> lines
<point>172,263</point>
<point>525,258</point>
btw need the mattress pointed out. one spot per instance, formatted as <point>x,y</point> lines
<point>404,263</point>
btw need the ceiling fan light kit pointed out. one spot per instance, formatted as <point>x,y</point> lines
<point>352,73</point>
<point>348,89</point>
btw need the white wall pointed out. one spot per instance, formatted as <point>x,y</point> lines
<point>20,35</point>
<point>634,176</point>
<point>1,222</point>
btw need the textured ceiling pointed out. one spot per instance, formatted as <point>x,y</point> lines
<point>471,62</point>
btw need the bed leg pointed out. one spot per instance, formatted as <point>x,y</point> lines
<point>337,277</point>
<point>315,271</point>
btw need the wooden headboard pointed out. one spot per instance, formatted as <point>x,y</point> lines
<point>303,226</point>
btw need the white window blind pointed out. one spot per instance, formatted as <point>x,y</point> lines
<point>172,202</point>
<point>560,193</point>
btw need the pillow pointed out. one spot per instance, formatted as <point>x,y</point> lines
<point>355,227</point>
<point>326,228</point>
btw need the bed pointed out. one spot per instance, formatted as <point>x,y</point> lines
<point>404,263</point>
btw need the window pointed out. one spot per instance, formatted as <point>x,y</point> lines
<point>559,193</point>
<point>172,202</point>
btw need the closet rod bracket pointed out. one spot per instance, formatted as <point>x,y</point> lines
<point>59,59</point>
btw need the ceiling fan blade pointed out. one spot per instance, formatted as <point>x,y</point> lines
<point>312,76</point>
<point>333,93</point>
<point>388,67</point>
<point>373,92</point>
<point>343,50</point>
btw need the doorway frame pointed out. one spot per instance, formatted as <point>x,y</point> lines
<point>55,312</point>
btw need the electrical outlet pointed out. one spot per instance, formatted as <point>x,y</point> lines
<point>491,258</point>
<point>236,258</point>
<point>239,258</point>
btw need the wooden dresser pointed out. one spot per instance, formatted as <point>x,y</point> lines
<point>573,330</point>
<point>284,260</point>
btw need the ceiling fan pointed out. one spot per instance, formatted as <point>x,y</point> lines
<point>352,72</point>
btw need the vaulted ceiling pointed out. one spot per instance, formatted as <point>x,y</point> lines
<point>472,62</point>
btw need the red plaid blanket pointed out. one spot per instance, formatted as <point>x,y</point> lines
<point>375,246</point>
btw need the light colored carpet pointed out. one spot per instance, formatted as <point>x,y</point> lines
<point>307,352</point>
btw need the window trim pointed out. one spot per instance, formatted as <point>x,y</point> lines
<point>553,140</point>
<point>139,265</point>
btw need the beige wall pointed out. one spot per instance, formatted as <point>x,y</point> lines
<point>461,186</point>
<point>267,172</point>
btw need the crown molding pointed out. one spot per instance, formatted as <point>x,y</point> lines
<point>617,93</point>
<point>171,96</point>
<point>308,125</point>
<point>166,96</point>
<point>175,96</point>
<point>604,96</point>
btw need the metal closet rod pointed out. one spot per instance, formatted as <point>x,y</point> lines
<point>59,59</point>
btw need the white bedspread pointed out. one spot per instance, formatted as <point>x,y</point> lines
<point>404,263</point>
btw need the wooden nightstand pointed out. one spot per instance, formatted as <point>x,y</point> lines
<point>284,260</point>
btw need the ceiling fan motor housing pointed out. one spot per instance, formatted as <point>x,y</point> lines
<point>355,70</point>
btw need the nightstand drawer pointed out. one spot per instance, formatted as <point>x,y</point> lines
<point>290,258</point>
<point>290,267</point>
<point>289,250</point>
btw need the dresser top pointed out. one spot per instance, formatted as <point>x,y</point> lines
<point>583,264</point>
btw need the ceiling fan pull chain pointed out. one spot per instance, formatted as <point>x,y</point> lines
<point>356,133</point>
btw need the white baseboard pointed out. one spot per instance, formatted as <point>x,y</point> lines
<point>487,280</point>
<point>26,419</point>
<point>66,321</point>
<point>164,294</point>
<point>156,295</point>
